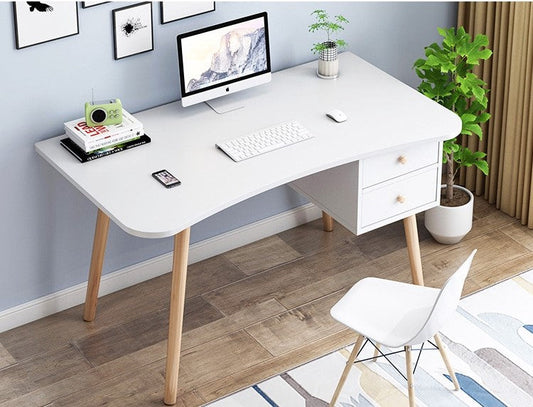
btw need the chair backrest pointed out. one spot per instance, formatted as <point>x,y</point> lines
<point>445,304</point>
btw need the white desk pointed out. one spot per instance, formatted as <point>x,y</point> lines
<point>381,165</point>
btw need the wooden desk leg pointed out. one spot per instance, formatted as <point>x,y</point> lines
<point>97,261</point>
<point>177,305</point>
<point>327,222</point>
<point>413,247</point>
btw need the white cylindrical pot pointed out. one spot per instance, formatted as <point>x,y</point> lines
<point>328,62</point>
<point>328,69</point>
<point>447,224</point>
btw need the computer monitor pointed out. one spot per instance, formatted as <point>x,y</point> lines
<point>222,59</point>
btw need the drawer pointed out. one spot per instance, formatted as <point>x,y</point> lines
<point>403,195</point>
<point>398,162</point>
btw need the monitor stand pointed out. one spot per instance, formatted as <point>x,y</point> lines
<point>227,103</point>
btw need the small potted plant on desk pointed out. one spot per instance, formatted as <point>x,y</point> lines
<point>328,62</point>
<point>448,78</point>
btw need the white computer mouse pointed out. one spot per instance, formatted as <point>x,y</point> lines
<point>337,115</point>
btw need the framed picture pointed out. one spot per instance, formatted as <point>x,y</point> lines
<point>87,4</point>
<point>133,30</point>
<point>37,22</point>
<point>176,10</point>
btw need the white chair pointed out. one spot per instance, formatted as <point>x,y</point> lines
<point>398,314</point>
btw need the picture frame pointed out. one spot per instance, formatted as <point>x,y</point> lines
<point>88,4</point>
<point>133,30</point>
<point>174,10</point>
<point>40,22</point>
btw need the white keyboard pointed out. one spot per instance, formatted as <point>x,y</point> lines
<point>264,140</point>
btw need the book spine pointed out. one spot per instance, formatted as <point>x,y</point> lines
<point>82,156</point>
<point>92,145</point>
<point>74,153</point>
<point>115,150</point>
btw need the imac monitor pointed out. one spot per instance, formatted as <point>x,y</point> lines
<point>223,59</point>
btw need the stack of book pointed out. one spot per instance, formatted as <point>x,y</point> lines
<point>89,143</point>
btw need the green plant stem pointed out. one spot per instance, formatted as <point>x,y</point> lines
<point>450,173</point>
<point>449,177</point>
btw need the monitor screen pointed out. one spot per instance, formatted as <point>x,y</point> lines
<point>222,59</point>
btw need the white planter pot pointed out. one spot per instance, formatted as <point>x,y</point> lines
<point>448,225</point>
<point>328,69</point>
<point>328,62</point>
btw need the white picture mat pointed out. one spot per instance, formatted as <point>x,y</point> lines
<point>176,10</point>
<point>35,27</point>
<point>87,4</point>
<point>141,39</point>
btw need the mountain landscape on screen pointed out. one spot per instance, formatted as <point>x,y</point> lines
<point>239,54</point>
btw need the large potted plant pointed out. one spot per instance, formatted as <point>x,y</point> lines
<point>448,78</point>
<point>328,63</point>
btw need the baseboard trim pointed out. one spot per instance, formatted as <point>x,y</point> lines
<point>137,273</point>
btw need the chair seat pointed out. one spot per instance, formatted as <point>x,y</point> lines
<point>389,312</point>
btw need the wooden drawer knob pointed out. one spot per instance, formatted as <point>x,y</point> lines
<point>400,199</point>
<point>402,159</point>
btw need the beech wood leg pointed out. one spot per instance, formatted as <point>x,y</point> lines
<point>349,364</point>
<point>376,352</point>
<point>413,248</point>
<point>327,222</point>
<point>410,380</point>
<point>97,261</point>
<point>444,356</point>
<point>177,304</point>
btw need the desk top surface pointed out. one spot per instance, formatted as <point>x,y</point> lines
<point>383,114</point>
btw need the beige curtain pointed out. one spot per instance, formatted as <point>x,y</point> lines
<point>508,136</point>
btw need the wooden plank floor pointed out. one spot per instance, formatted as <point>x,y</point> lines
<point>250,313</point>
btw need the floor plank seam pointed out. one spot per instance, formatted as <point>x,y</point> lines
<point>74,344</point>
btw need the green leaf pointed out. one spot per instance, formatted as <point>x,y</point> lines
<point>342,19</point>
<point>441,60</point>
<point>450,146</point>
<point>419,63</point>
<point>442,31</point>
<point>483,117</point>
<point>479,92</point>
<point>470,128</point>
<point>432,49</point>
<point>483,166</point>
<point>476,50</point>
<point>341,43</point>
<point>468,118</point>
<point>471,85</point>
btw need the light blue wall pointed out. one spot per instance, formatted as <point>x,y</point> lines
<point>47,226</point>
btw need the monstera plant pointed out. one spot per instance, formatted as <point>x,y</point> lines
<point>448,77</point>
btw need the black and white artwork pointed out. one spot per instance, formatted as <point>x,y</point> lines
<point>37,22</point>
<point>176,10</point>
<point>133,30</point>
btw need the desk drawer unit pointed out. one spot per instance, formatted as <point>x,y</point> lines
<point>399,162</point>
<point>378,190</point>
<point>390,199</point>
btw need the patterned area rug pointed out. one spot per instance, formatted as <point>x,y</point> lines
<point>490,346</point>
